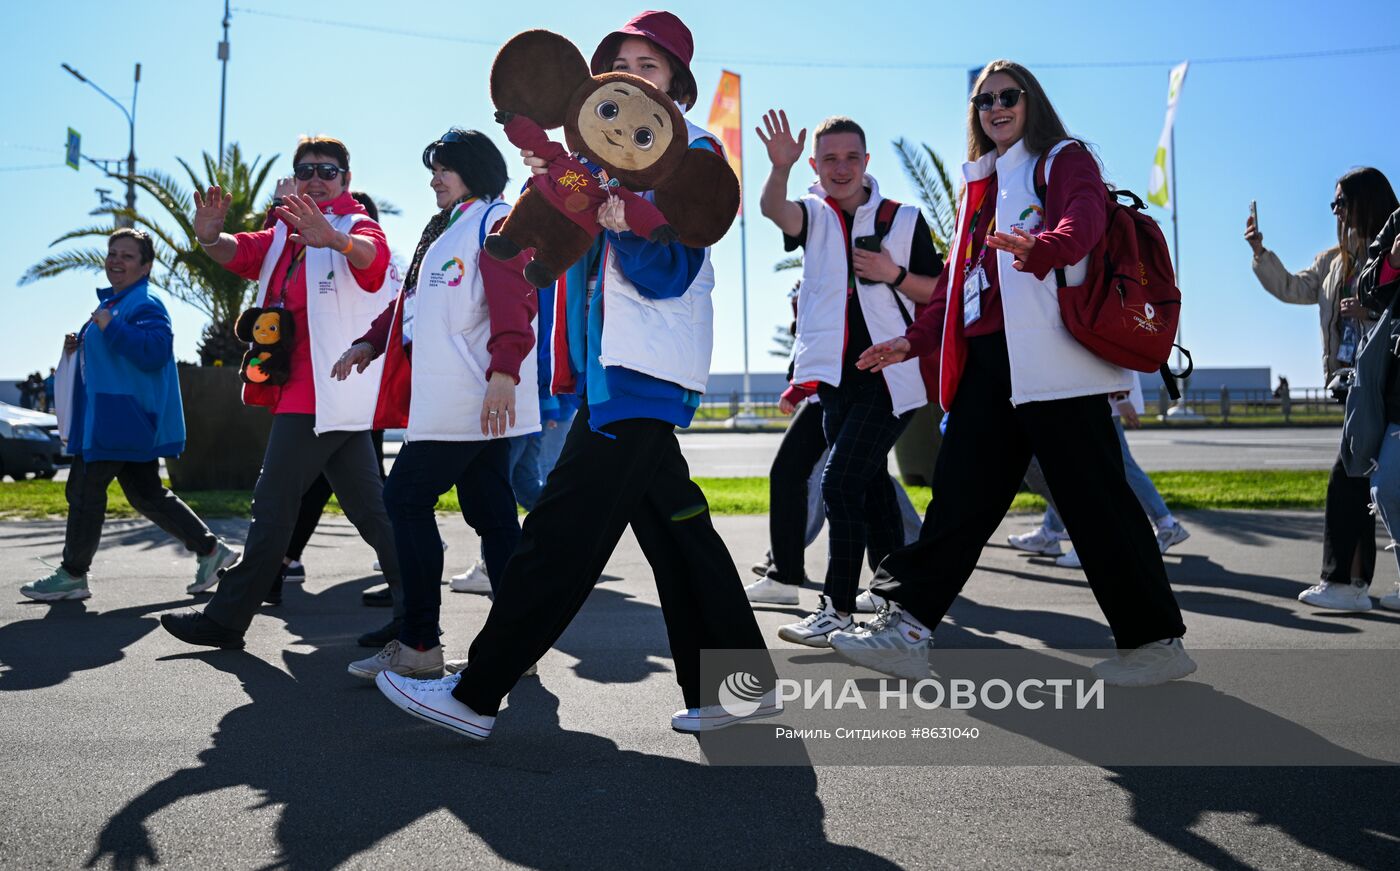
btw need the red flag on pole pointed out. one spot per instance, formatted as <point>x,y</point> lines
<point>726,122</point>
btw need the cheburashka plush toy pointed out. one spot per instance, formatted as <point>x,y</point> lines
<point>269,331</point>
<point>625,135</point>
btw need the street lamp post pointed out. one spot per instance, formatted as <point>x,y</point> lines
<point>131,141</point>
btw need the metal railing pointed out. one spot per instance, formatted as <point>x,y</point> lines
<point>1221,406</point>
<point>1226,406</point>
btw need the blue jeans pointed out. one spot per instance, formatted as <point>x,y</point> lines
<point>1142,486</point>
<point>1385,483</point>
<point>423,472</point>
<point>525,469</point>
<point>551,444</point>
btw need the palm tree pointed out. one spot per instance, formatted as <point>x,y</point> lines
<point>183,269</point>
<point>934,187</point>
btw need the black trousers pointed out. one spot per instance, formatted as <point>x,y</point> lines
<point>313,502</point>
<point>802,445</point>
<point>1348,527</point>
<point>980,465</point>
<point>86,492</point>
<point>861,511</point>
<point>632,472</point>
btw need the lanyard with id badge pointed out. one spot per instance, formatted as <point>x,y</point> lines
<point>974,274</point>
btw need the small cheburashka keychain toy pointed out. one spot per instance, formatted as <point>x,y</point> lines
<point>269,331</point>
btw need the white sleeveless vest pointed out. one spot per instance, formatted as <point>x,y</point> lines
<point>338,311</point>
<point>671,339</point>
<point>451,328</point>
<point>821,301</point>
<point>1046,361</point>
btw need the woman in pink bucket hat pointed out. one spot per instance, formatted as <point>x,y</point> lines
<point>641,375</point>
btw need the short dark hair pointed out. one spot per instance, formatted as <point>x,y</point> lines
<point>322,145</point>
<point>838,124</point>
<point>474,157</point>
<point>140,237</point>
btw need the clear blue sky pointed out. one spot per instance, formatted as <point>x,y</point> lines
<point>1279,132</point>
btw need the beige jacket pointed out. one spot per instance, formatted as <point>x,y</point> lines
<point>1321,285</point>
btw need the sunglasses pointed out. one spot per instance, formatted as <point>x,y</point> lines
<point>1007,97</point>
<point>1338,205</point>
<point>327,171</point>
<point>448,137</point>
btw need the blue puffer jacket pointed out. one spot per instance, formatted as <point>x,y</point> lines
<point>126,398</point>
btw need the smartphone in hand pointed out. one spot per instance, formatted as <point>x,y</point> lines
<point>1254,213</point>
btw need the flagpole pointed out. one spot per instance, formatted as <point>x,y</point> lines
<point>1176,239</point>
<point>744,272</point>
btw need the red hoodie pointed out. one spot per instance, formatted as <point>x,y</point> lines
<point>298,395</point>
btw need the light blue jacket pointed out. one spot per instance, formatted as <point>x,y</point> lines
<point>126,398</point>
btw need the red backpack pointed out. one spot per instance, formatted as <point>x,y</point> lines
<point>1127,309</point>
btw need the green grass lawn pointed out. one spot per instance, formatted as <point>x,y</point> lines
<point>1274,488</point>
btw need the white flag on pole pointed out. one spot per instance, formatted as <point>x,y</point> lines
<point>1161,187</point>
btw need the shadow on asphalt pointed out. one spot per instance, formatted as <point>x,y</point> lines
<point>350,770</point>
<point>1346,811</point>
<point>64,638</point>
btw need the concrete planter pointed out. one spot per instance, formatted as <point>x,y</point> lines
<point>225,439</point>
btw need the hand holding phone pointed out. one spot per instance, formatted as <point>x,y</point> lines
<point>1251,228</point>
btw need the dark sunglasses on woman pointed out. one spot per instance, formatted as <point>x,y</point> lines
<point>1339,205</point>
<point>449,136</point>
<point>1007,97</point>
<point>327,171</point>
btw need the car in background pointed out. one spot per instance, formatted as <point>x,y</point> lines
<point>29,444</point>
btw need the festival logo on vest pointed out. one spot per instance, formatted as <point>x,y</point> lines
<point>450,274</point>
<point>327,284</point>
<point>1031,220</point>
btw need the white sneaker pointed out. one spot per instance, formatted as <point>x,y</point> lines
<point>869,603</point>
<point>813,629</point>
<point>712,717</point>
<point>1171,536</point>
<point>1146,666</point>
<point>886,644</point>
<point>400,659</point>
<point>1391,600</point>
<point>1337,597</point>
<point>432,700</point>
<point>1039,540</point>
<point>1069,560</point>
<point>771,592</point>
<point>457,666</point>
<point>473,580</point>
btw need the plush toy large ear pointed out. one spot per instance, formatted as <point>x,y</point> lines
<point>535,74</point>
<point>243,330</point>
<point>700,199</point>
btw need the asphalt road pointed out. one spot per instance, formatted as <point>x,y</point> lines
<point>121,747</point>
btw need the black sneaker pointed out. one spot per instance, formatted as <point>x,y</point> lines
<point>381,636</point>
<point>294,572</point>
<point>193,627</point>
<point>377,598</point>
